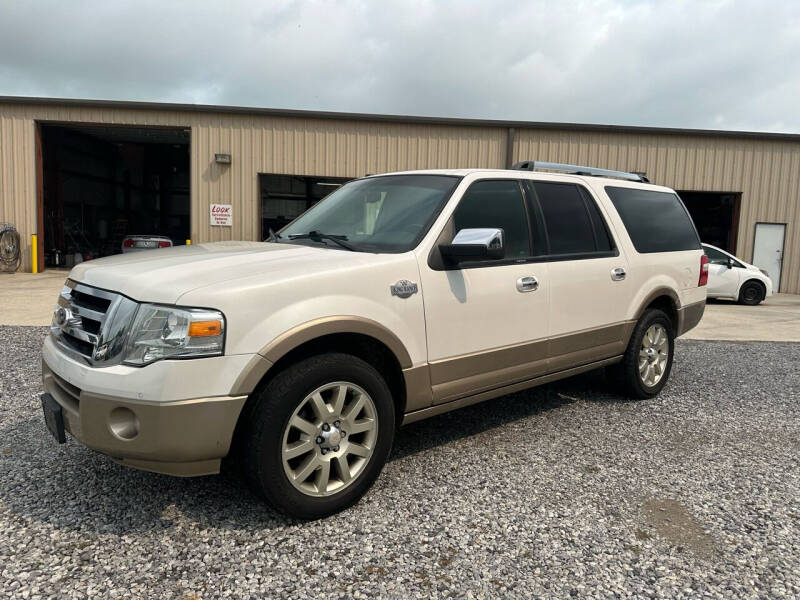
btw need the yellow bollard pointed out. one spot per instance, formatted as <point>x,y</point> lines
<point>188,242</point>
<point>34,254</point>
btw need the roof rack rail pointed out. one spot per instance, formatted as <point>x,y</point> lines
<point>529,165</point>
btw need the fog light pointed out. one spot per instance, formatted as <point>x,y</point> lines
<point>123,423</point>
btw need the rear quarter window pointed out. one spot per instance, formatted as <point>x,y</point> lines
<point>656,221</point>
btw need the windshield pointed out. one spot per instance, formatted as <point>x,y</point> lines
<point>378,214</point>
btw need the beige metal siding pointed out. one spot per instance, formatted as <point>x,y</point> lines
<point>765,172</point>
<point>316,147</point>
<point>18,177</point>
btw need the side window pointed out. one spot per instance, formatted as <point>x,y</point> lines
<point>656,221</point>
<point>715,256</point>
<point>496,203</point>
<point>572,220</point>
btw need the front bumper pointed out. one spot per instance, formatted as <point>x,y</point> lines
<point>177,437</point>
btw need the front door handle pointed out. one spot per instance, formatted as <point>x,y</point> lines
<point>527,284</point>
<point>617,274</point>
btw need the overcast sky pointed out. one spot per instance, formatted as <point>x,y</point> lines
<point>717,64</point>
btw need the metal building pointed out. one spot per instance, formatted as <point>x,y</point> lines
<point>82,173</point>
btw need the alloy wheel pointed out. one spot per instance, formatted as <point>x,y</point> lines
<point>653,355</point>
<point>329,439</point>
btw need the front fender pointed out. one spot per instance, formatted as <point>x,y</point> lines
<point>271,317</point>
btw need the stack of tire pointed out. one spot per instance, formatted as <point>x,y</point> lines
<point>10,254</point>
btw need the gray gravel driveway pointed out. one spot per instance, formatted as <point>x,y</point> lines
<point>565,490</point>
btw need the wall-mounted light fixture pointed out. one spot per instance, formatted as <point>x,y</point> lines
<point>223,159</point>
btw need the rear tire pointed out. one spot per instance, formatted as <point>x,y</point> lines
<point>283,457</point>
<point>647,362</point>
<point>751,293</point>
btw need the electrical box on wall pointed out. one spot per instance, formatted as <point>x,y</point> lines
<point>223,159</point>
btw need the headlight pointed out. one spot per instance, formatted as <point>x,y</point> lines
<point>60,314</point>
<point>169,332</point>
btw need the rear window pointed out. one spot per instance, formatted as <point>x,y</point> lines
<point>656,221</point>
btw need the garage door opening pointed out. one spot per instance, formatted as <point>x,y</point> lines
<point>716,216</point>
<point>101,184</point>
<point>285,197</point>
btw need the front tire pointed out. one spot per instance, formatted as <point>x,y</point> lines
<point>752,293</point>
<point>647,362</point>
<point>319,435</point>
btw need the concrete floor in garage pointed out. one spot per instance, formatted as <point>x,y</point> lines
<point>27,299</point>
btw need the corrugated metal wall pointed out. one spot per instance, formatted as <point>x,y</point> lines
<point>316,147</point>
<point>766,172</point>
<point>18,176</point>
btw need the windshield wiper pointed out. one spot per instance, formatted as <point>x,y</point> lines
<point>318,236</point>
<point>272,237</point>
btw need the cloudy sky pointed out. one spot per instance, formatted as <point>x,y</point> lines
<point>723,64</point>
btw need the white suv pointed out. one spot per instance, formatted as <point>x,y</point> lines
<point>398,297</point>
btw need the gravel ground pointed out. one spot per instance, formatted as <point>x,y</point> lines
<point>563,490</point>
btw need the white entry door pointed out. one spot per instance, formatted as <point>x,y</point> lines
<point>768,250</point>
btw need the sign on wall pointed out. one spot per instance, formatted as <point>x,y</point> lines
<point>222,215</point>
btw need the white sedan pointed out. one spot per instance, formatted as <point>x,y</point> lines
<point>730,277</point>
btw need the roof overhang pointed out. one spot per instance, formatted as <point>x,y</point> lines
<point>411,119</point>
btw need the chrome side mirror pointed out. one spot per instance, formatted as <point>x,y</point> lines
<point>475,244</point>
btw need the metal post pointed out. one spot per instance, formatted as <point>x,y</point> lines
<point>34,254</point>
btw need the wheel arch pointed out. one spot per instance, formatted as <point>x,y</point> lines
<point>358,336</point>
<point>665,299</point>
<point>760,283</point>
<point>310,331</point>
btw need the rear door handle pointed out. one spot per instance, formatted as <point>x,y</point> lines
<point>617,274</point>
<point>527,284</point>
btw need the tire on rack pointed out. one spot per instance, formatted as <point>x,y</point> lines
<point>647,362</point>
<point>319,435</point>
<point>752,292</point>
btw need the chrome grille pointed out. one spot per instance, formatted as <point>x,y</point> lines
<point>91,324</point>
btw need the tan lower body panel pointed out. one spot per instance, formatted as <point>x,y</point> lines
<point>431,411</point>
<point>471,374</point>
<point>465,380</point>
<point>177,469</point>
<point>689,316</point>
<point>188,437</point>
<point>418,387</point>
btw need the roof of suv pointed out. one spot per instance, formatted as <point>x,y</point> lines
<point>528,174</point>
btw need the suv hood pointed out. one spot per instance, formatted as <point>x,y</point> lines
<point>166,274</point>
